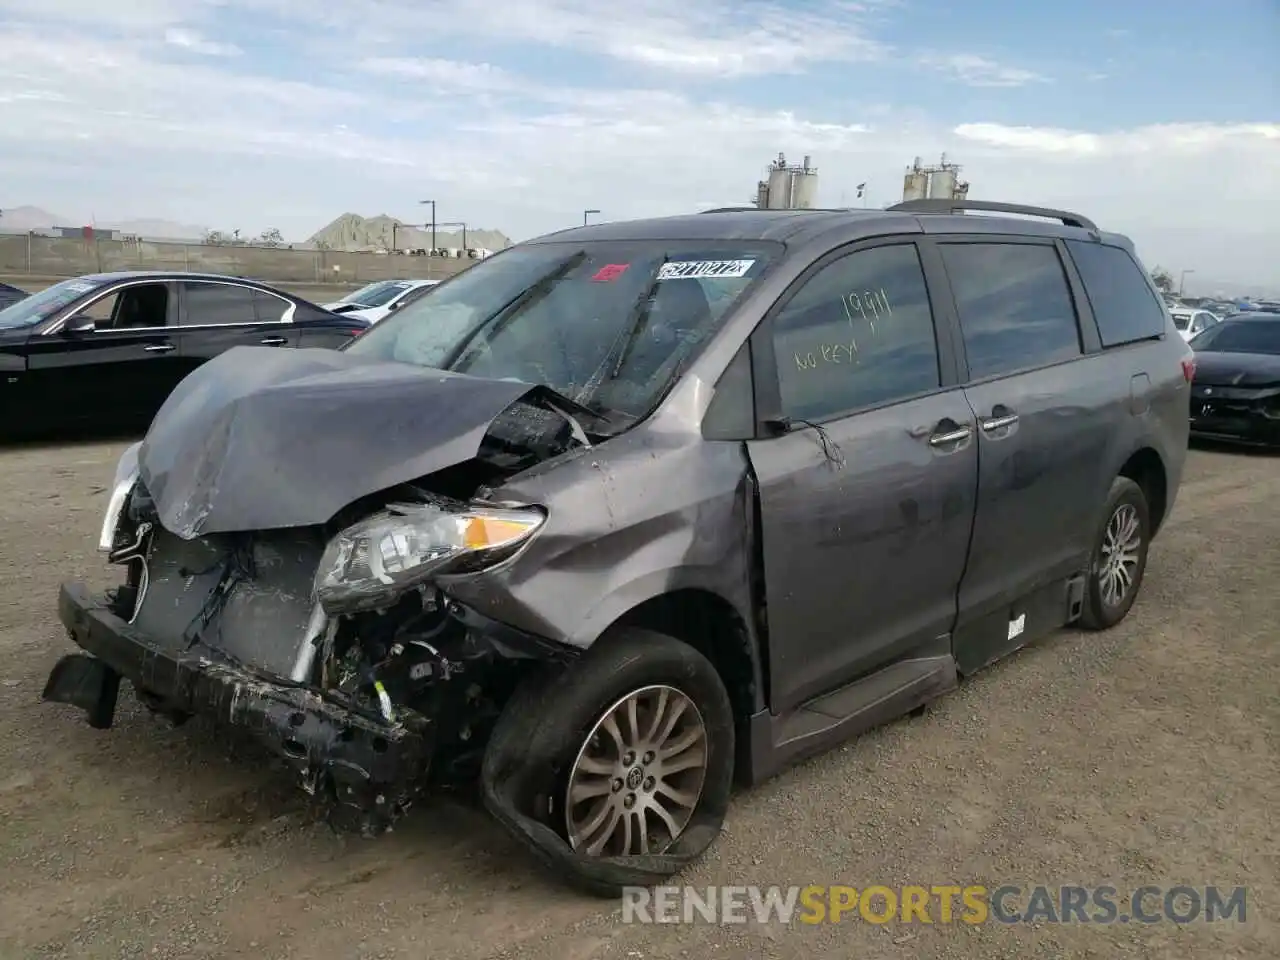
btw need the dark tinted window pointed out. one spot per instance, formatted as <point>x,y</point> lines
<point>1241,336</point>
<point>268,307</point>
<point>858,333</point>
<point>218,303</point>
<point>1015,306</point>
<point>1123,304</point>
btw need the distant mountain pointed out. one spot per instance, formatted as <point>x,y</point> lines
<point>352,232</point>
<point>22,219</point>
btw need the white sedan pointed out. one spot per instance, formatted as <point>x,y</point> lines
<point>1190,321</point>
<point>378,299</point>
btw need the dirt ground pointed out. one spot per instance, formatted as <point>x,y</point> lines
<point>1147,755</point>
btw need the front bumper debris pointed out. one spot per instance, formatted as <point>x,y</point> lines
<point>361,764</point>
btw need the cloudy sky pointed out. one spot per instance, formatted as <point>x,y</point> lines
<point>1158,119</point>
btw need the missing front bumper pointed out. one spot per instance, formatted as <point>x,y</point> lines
<point>363,764</point>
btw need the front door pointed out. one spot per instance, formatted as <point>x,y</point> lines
<point>116,373</point>
<point>218,315</point>
<point>867,498</point>
<point>1043,413</point>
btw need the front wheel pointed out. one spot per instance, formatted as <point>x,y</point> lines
<point>1119,558</point>
<point>617,769</point>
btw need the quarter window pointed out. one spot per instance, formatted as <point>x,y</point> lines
<point>1015,306</point>
<point>1122,301</point>
<point>859,333</point>
<point>218,304</point>
<point>268,307</point>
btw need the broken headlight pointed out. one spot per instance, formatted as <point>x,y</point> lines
<point>372,562</point>
<point>125,479</point>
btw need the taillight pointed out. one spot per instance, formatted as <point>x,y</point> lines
<point>1189,368</point>
<point>356,333</point>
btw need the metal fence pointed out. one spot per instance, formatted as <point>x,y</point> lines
<point>35,255</point>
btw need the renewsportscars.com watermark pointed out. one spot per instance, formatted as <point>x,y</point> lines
<point>973,904</point>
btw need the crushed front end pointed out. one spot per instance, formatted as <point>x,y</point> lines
<point>331,645</point>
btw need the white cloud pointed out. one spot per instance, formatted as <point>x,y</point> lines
<point>711,38</point>
<point>978,71</point>
<point>119,123</point>
<point>192,41</point>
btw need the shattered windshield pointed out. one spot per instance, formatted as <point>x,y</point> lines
<point>41,306</point>
<point>606,323</point>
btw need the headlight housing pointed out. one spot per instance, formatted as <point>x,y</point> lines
<point>121,486</point>
<point>371,563</point>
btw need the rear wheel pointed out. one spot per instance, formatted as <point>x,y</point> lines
<point>1119,558</point>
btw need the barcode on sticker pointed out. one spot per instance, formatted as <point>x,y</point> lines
<point>701,269</point>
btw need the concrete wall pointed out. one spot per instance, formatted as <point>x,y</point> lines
<point>36,256</point>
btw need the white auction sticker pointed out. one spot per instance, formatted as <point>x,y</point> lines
<point>698,269</point>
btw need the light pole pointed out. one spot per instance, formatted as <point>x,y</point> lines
<point>585,214</point>
<point>1182,281</point>
<point>433,224</point>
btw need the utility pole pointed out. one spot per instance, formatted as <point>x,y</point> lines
<point>585,214</point>
<point>433,223</point>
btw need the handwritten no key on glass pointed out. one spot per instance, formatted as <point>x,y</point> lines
<point>870,306</point>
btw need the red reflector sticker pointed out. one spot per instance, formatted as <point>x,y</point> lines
<point>609,272</point>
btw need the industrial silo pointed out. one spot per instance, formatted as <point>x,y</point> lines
<point>804,186</point>
<point>942,184</point>
<point>915,185</point>
<point>779,187</point>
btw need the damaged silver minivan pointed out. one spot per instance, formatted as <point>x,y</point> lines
<point>620,512</point>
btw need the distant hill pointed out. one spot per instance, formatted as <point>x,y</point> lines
<point>22,219</point>
<point>352,232</point>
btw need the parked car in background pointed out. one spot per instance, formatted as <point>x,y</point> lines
<point>104,351</point>
<point>1191,321</point>
<point>574,526</point>
<point>375,301</point>
<point>10,294</point>
<point>1235,395</point>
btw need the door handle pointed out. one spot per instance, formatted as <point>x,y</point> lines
<point>949,437</point>
<point>992,424</point>
<point>159,348</point>
<point>273,341</point>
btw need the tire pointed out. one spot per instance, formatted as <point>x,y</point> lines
<point>532,761</point>
<point>1101,611</point>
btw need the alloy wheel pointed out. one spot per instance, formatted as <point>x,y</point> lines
<point>1117,564</point>
<point>637,779</point>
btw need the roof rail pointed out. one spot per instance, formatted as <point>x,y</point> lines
<point>944,206</point>
<point>729,210</point>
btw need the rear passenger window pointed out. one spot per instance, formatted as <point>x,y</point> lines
<point>1015,306</point>
<point>858,333</point>
<point>1123,304</point>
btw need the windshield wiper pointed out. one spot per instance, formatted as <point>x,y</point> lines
<point>502,318</point>
<point>621,349</point>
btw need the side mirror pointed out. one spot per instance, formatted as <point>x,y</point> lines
<point>79,325</point>
<point>395,306</point>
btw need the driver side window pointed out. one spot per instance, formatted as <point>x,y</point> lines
<point>859,333</point>
<point>141,306</point>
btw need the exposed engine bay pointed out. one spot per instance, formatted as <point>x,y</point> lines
<point>352,617</point>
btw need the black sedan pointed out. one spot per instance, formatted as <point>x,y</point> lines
<point>104,351</point>
<point>1235,394</point>
<point>10,294</point>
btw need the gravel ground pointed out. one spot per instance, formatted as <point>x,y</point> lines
<point>1143,755</point>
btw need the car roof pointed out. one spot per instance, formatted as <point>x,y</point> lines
<point>799,226</point>
<point>175,275</point>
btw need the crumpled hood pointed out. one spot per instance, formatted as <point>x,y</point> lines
<point>260,438</point>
